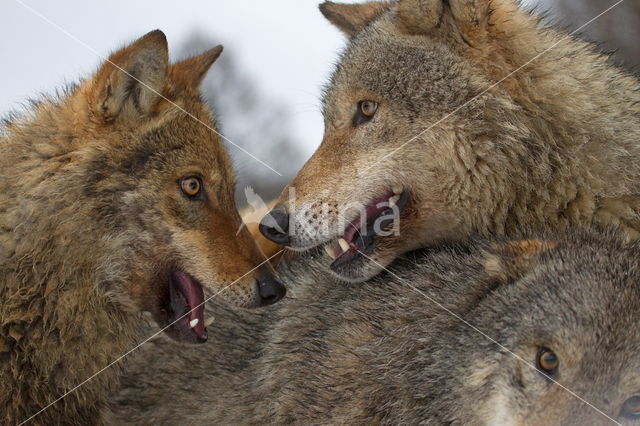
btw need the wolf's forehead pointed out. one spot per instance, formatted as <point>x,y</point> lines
<point>425,73</point>
<point>591,306</point>
<point>186,131</point>
<point>181,144</point>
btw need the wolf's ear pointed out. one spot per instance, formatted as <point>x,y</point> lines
<point>190,72</point>
<point>352,18</point>
<point>511,260</point>
<point>422,16</point>
<point>419,16</point>
<point>130,82</point>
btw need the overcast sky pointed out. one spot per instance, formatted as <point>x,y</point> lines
<point>285,45</point>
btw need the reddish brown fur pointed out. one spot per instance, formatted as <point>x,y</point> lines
<point>93,222</point>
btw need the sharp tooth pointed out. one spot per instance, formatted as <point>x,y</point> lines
<point>193,322</point>
<point>393,201</point>
<point>397,190</point>
<point>209,321</point>
<point>344,245</point>
<point>329,249</point>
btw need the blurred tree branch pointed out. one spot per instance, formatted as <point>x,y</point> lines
<point>618,30</point>
<point>250,119</point>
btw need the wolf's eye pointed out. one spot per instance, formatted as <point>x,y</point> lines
<point>547,361</point>
<point>191,186</point>
<point>366,111</point>
<point>631,407</point>
<point>368,108</point>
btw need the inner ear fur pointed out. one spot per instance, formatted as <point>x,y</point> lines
<point>129,83</point>
<point>352,18</point>
<point>510,260</point>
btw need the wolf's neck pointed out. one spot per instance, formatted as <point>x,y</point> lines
<point>58,332</point>
<point>57,328</point>
<point>567,82</point>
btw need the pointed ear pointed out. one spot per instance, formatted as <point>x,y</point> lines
<point>190,72</point>
<point>507,261</point>
<point>422,16</point>
<point>352,18</point>
<point>129,83</point>
<point>419,16</point>
<point>472,16</point>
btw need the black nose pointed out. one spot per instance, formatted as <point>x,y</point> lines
<point>270,291</point>
<point>275,226</point>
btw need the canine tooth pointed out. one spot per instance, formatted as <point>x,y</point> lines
<point>344,245</point>
<point>193,322</point>
<point>329,249</point>
<point>393,200</point>
<point>397,190</point>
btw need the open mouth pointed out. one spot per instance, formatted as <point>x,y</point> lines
<point>185,308</point>
<point>360,234</point>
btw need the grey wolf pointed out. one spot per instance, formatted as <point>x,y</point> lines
<point>563,308</point>
<point>114,202</point>
<point>445,118</point>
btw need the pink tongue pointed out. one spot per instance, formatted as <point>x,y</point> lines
<point>194,295</point>
<point>372,212</point>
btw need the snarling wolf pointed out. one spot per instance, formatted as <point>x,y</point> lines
<point>450,118</point>
<point>117,198</point>
<point>519,332</point>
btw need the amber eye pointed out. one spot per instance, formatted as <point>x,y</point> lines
<point>191,186</point>
<point>366,111</point>
<point>547,361</point>
<point>368,108</point>
<point>631,407</point>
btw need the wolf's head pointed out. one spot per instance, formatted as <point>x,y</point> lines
<point>422,144</point>
<point>380,184</point>
<point>558,341</point>
<point>157,181</point>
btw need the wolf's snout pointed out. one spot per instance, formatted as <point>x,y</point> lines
<point>269,291</point>
<point>275,226</point>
